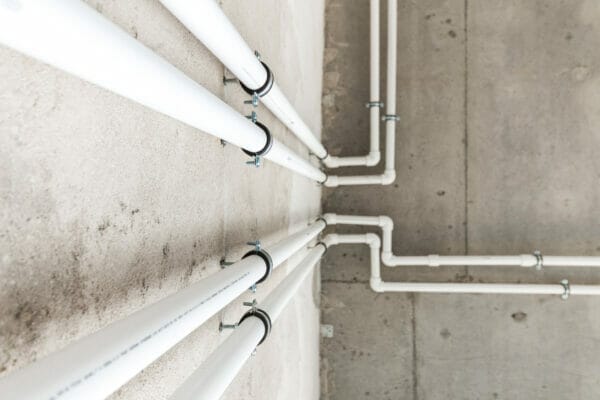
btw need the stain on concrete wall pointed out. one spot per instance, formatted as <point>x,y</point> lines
<point>108,206</point>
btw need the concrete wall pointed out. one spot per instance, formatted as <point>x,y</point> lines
<point>107,206</point>
<point>496,154</point>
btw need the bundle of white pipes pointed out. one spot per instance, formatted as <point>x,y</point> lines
<point>206,20</point>
<point>564,288</point>
<point>386,224</point>
<point>210,381</point>
<point>59,32</point>
<point>97,365</point>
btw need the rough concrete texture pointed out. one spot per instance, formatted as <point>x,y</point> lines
<point>495,155</point>
<point>108,206</point>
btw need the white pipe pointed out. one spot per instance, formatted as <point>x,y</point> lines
<point>210,381</point>
<point>389,174</point>
<point>378,285</point>
<point>97,365</point>
<point>489,288</point>
<point>73,37</point>
<point>523,260</point>
<point>374,155</point>
<point>206,21</point>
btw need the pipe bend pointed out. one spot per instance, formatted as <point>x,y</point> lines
<point>372,158</point>
<point>376,285</point>
<point>385,222</point>
<point>388,177</point>
<point>331,161</point>
<point>331,239</point>
<point>330,218</point>
<point>331,181</point>
<point>386,258</point>
<point>373,240</point>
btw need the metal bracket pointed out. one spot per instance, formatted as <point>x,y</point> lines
<point>390,117</point>
<point>539,263</point>
<point>327,331</point>
<point>371,104</point>
<point>567,289</point>
<point>252,117</point>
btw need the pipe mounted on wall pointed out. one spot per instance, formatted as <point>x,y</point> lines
<point>211,380</point>
<point>73,37</point>
<point>97,365</point>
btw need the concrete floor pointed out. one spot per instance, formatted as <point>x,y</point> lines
<point>496,154</point>
<point>108,206</point>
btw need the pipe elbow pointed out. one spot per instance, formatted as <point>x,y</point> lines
<point>372,158</point>
<point>331,181</point>
<point>373,240</point>
<point>331,240</point>
<point>376,285</point>
<point>388,177</point>
<point>386,258</point>
<point>330,218</point>
<point>330,161</point>
<point>385,222</point>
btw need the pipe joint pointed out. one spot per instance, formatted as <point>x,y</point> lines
<point>263,316</point>
<point>433,260</point>
<point>372,158</point>
<point>386,222</point>
<point>373,240</point>
<point>376,284</point>
<point>265,88</point>
<point>266,257</point>
<point>388,177</point>
<point>387,258</point>
<point>330,218</point>
<point>332,181</point>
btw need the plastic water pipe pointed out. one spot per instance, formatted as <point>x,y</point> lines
<point>97,365</point>
<point>374,103</point>
<point>70,35</point>
<point>389,174</point>
<point>564,288</point>
<point>206,20</point>
<point>210,381</point>
<point>534,260</point>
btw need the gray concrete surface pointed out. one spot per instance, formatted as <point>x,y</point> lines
<point>496,154</point>
<point>107,207</point>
